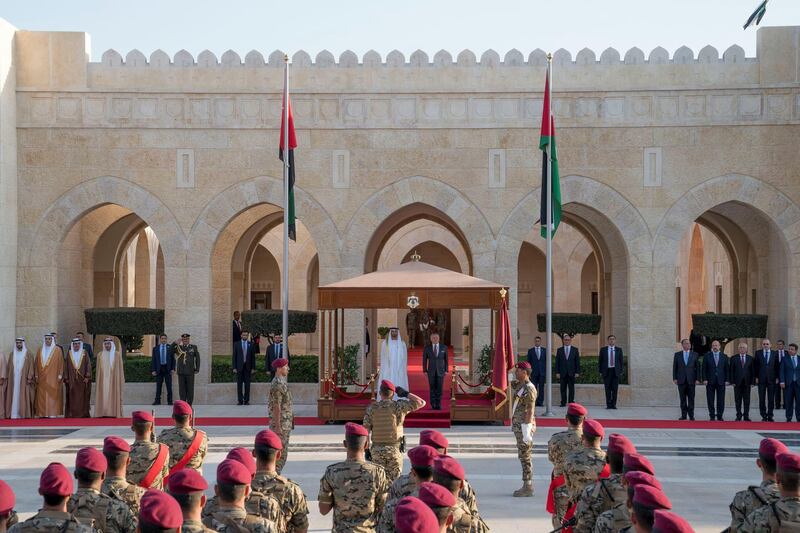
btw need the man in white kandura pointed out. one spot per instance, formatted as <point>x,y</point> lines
<point>394,360</point>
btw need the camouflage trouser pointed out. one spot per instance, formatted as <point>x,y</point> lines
<point>524,452</point>
<point>390,458</point>
<point>561,497</point>
<point>284,435</point>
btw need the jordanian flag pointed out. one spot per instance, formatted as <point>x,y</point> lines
<point>547,142</point>
<point>291,147</point>
<point>757,15</point>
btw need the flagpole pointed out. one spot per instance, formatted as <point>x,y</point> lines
<point>549,278</point>
<point>285,147</point>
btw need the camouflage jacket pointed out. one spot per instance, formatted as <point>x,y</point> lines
<point>51,522</point>
<point>101,512</point>
<point>581,468</point>
<point>562,444</point>
<point>523,398</point>
<point>257,504</point>
<point>194,526</point>
<point>400,487</point>
<point>178,440</point>
<point>597,498</point>
<point>143,455</point>
<point>121,490</point>
<point>281,396</point>
<point>289,495</point>
<point>384,418</point>
<point>615,519</point>
<point>357,491</point>
<point>237,520</point>
<point>784,513</point>
<point>465,521</point>
<point>750,499</point>
<point>386,520</point>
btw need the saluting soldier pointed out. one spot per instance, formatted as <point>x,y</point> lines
<point>750,499</point>
<point>559,446</point>
<point>585,465</point>
<point>187,445</point>
<point>385,419</point>
<point>188,487</point>
<point>55,486</point>
<point>421,458</point>
<point>281,408</point>
<point>618,518</point>
<point>784,514</point>
<point>523,424</point>
<point>149,464</point>
<point>233,489</point>
<point>89,505</point>
<point>354,489</point>
<point>117,452</point>
<point>187,364</point>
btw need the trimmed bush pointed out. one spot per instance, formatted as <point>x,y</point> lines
<point>269,322</point>
<point>128,324</point>
<point>725,327</point>
<point>570,323</point>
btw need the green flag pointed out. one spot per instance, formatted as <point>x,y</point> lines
<point>757,15</point>
<point>548,140</point>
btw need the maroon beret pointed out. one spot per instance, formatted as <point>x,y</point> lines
<point>355,429</point>
<point>385,383</point>
<point>638,462</point>
<point>444,464</point>
<point>91,459</point>
<point>114,444</point>
<point>160,509</point>
<point>593,428</point>
<point>422,455</point>
<point>524,365</point>
<point>268,438</point>
<point>435,495</point>
<point>141,416</point>
<point>412,516</point>
<point>7,499</point>
<point>788,462</point>
<point>770,448</point>
<point>650,497</point>
<point>232,472</point>
<point>669,522</point>
<point>620,444</point>
<point>181,408</point>
<point>576,409</point>
<point>279,362</point>
<point>431,437</point>
<point>637,477</point>
<point>55,480</point>
<point>186,481</point>
<point>245,457</point>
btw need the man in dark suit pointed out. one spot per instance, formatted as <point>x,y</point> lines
<point>367,344</point>
<point>244,361</point>
<point>86,346</point>
<point>277,350</point>
<point>237,326</point>
<point>685,370</point>
<point>162,366</point>
<point>790,383</point>
<point>715,377</point>
<point>741,377</point>
<point>434,364</point>
<point>568,369</point>
<point>767,374</point>
<point>780,349</point>
<point>610,364</point>
<point>537,359</point>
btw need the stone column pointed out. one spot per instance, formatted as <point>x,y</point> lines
<point>8,185</point>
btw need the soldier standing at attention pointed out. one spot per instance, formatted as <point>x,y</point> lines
<point>559,446</point>
<point>750,499</point>
<point>618,518</point>
<point>159,512</point>
<point>281,408</point>
<point>232,490</point>
<point>149,464</point>
<point>421,458</point>
<point>187,445</point>
<point>524,424</point>
<point>117,453</point>
<point>585,465</point>
<point>7,501</point>
<point>89,505</point>
<point>354,489</point>
<point>784,514</point>
<point>187,364</point>
<point>55,486</point>
<point>646,501</point>
<point>187,486</point>
<point>385,419</point>
<point>290,497</point>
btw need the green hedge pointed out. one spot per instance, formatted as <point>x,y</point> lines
<point>725,327</point>
<point>269,322</point>
<point>119,321</point>
<point>570,323</point>
<point>589,373</point>
<point>305,369</point>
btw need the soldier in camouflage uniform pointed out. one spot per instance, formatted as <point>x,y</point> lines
<point>89,505</point>
<point>187,486</point>
<point>233,489</point>
<point>354,489</point>
<point>281,408</point>
<point>385,419</point>
<point>290,497</point>
<point>55,486</point>
<point>159,512</point>
<point>747,501</point>
<point>448,473</point>
<point>559,446</point>
<point>7,500</point>
<point>421,458</point>
<point>148,458</point>
<point>187,364</point>
<point>584,466</point>
<point>618,518</point>
<point>646,501</point>
<point>183,439</point>
<point>117,453</point>
<point>784,514</point>
<point>523,424</point>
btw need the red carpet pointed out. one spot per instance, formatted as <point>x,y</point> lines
<point>160,422</point>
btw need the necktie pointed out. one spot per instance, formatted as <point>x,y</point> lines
<point>566,352</point>
<point>163,355</point>
<point>742,360</point>
<point>435,351</point>
<point>767,356</point>
<point>280,354</point>
<point>685,358</point>
<point>716,358</point>
<point>611,355</point>
<point>244,351</point>
<point>538,353</point>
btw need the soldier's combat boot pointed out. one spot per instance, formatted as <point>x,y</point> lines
<point>526,491</point>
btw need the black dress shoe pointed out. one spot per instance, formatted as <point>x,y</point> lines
<point>682,418</point>
<point>247,403</point>
<point>747,419</point>
<point>563,405</point>
<point>169,403</point>
<point>691,417</point>
<point>738,418</point>
<point>720,418</point>
<point>788,419</point>
<point>157,402</point>
<point>240,403</point>
<point>764,419</point>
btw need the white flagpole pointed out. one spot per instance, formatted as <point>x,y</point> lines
<point>285,283</point>
<point>549,290</point>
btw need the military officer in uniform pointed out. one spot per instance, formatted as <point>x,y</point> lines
<point>187,445</point>
<point>646,501</point>
<point>188,487</point>
<point>585,465</point>
<point>523,424</point>
<point>559,446</point>
<point>159,512</point>
<point>421,458</point>
<point>149,464</point>
<point>413,516</point>
<point>55,486</point>
<point>267,451</point>
<point>441,501</point>
<point>232,490</point>
<point>750,499</point>
<point>117,453</point>
<point>187,364</point>
<point>7,501</point>
<point>618,518</point>
<point>89,505</point>
<point>784,514</point>
<point>385,419</point>
<point>354,489</point>
<point>281,408</point>
<point>448,473</point>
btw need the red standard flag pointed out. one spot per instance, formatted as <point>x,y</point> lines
<point>503,354</point>
<point>290,149</point>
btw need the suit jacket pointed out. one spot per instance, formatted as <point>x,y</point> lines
<point>538,368</point>
<point>272,354</point>
<point>686,374</point>
<point>715,375</point>
<point>602,360</point>
<point>766,372</point>
<point>239,361</point>
<point>741,375</point>
<point>155,358</point>
<point>787,369</point>
<point>237,331</point>
<point>437,366</point>
<point>569,367</point>
<point>367,343</point>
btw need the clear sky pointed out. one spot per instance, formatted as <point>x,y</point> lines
<point>406,25</point>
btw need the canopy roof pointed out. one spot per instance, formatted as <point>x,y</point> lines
<point>390,289</point>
